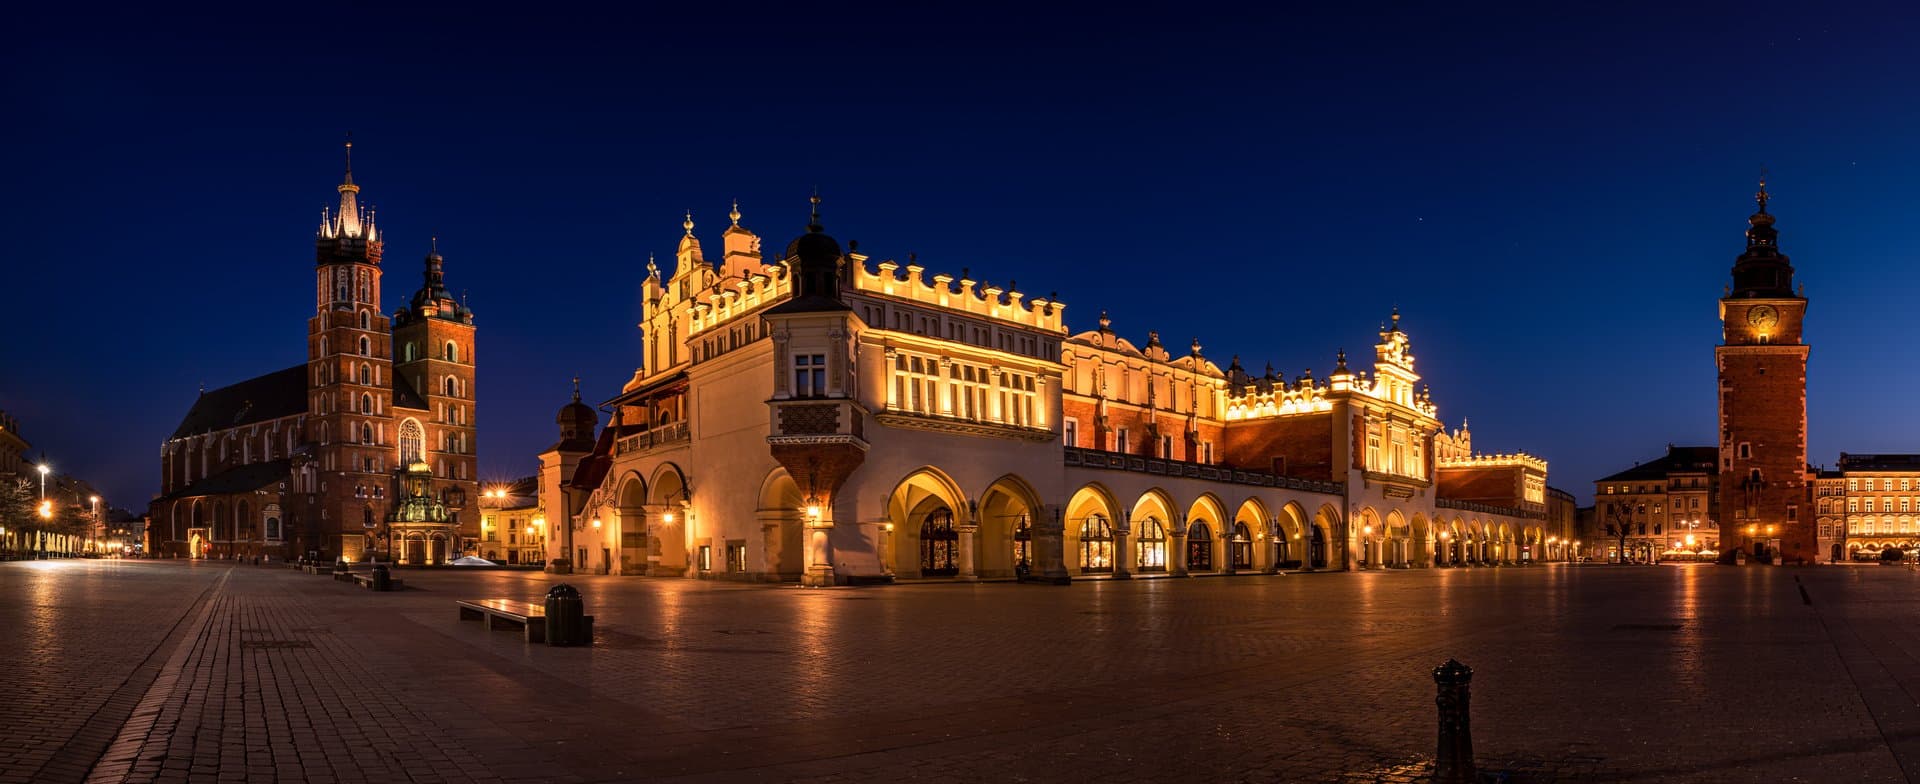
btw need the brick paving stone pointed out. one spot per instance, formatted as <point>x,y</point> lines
<point>1680,673</point>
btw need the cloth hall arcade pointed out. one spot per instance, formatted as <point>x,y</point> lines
<point>915,425</point>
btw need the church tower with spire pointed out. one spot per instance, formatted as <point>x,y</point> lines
<point>434,361</point>
<point>1762,365</point>
<point>349,375</point>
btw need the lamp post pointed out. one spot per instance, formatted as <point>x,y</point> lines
<point>98,529</point>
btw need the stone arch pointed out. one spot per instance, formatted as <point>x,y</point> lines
<point>1288,537</point>
<point>1207,517</point>
<point>1325,547</point>
<point>1153,531</point>
<point>1503,547</point>
<point>1422,541</point>
<point>924,509</point>
<point>1259,550</point>
<point>1369,530</point>
<point>625,524</point>
<point>1086,509</point>
<point>782,516</point>
<point>667,537</point>
<point>1397,541</point>
<point>1006,522</point>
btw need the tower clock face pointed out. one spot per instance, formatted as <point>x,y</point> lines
<point>1763,316</point>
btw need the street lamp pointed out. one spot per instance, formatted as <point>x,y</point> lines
<point>44,470</point>
<point>99,529</point>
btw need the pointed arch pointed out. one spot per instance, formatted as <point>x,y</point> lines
<point>781,513</point>
<point>1092,527</point>
<point>925,513</point>
<point>1009,510</point>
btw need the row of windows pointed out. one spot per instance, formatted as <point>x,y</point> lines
<point>965,390</point>
<point>1403,454</point>
<point>1886,484</point>
<point>959,330</point>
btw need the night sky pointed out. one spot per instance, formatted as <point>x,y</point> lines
<point>1552,197</point>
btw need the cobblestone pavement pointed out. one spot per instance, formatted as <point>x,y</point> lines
<point>140,671</point>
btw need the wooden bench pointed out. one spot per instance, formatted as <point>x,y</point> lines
<point>530,617</point>
<point>366,581</point>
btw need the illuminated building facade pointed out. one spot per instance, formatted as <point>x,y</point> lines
<point>1762,364</point>
<point>1870,503</point>
<point>512,528</point>
<point>317,458</point>
<point>815,416</point>
<point>1667,508</point>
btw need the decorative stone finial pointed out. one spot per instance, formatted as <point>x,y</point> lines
<point>576,389</point>
<point>735,213</point>
<point>813,220</point>
<point>1106,324</point>
<point>1196,347</point>
<point>689,223</point>
<point>1340,361</point>
<point>1761,197</point>
<point>1153,339</point>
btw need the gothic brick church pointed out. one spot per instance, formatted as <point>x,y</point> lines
<point>364,450</point>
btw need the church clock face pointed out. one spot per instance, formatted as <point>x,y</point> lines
<point>1763,316</point>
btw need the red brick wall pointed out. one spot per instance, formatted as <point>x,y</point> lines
<point>1763,403</point>
<point>1498,485</point>
<point>1306,443</point>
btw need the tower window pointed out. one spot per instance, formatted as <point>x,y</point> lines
<point>810,375</point>
<point>451,389</point>
<point>366,347</point>
<point>366,404</point>
<point>364,321</point>
<point>366,374</point>
<point>452,352</point>
<point>1746,451</point>
<point>366,433</point>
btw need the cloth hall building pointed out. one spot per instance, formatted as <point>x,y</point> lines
<point>366,448</point>
<point>817,416</point>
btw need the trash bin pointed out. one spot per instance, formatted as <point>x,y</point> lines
<point>382,578</point>
<point>566,621</point>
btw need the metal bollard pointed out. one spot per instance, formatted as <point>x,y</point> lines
<point>1453,760</point>
<point>382,578</point>
<point>566,622</point>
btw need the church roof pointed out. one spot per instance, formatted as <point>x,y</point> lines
<point>258,399</point>
<point>405,396</point>
<point>238,479</point>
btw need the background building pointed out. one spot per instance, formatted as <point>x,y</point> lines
<point>311,459</point>
<point>1660,508</point>
<point>1878,495</point>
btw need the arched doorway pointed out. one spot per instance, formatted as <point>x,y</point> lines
<point>437,554</point>
<point>1240,547</point>
<point>1005,536</point>
<point>781,517</point>
<point>1095,538</point>
<point>416,552</point>
<point>667,540</point>
<point>1199,547</point>
<point>927,504</point>
<point>1153,533</point>
<point>1091,512</point>
<point>939,545</point>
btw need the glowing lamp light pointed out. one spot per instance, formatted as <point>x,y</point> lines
<point>813,511</point>
<point>888,528</point>
<point>46,510</point>
<point>1366,529</point>
<point>44,469</point>
<point>529,530</point>
<point>596,522</point>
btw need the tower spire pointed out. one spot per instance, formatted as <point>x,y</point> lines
<point>813,220</point>
<point>349,177</point>
<point>1761,197</point>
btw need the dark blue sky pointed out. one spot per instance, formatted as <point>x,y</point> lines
<point>1552,197</point>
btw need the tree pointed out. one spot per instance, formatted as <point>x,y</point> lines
<point>19,505</point>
